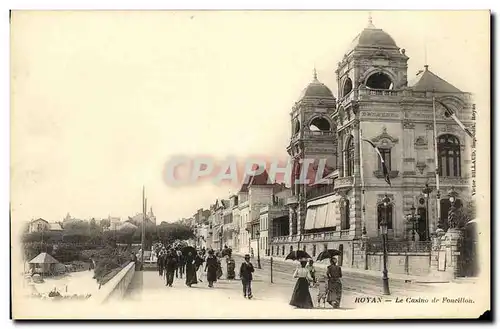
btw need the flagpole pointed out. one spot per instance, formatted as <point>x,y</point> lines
<point>438,195</point>
<point>142,226</point>
<point>363,209</point>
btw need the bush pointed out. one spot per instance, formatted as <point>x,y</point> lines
<point>109,261</point>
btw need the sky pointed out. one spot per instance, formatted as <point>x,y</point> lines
<point>101,101</point>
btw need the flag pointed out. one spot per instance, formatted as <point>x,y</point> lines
<point>382,161</point>
<point>450,113</point>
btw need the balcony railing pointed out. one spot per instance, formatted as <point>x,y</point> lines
<point>376,92</point>
<point>312,237</point>
<point>344,182</point>
<point>399,246</point>
<point>320,190</point>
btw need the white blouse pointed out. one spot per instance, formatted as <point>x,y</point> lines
<point>302,273</point>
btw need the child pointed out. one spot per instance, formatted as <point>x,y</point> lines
<point>246,277</point>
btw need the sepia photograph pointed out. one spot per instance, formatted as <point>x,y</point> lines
<point>292,165</point>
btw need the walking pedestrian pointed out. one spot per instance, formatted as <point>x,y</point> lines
<point>219,266</point>
<point>312,270</point>
<point>160,262</point>
<point>334,273</point>
<point>246,277</point>
<point>180,264</point>
<point>211,268</point>
<point>199,265</point>
<point>190,270</point>
<point>170,267</point>
<point>230,267</point>
<point>301,298</point>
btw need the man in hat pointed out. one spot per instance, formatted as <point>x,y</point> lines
<point>246,277</point>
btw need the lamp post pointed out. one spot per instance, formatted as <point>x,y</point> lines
<point>427,193</point>
<point>220,240</point>
<point>413,219</point>
<point>383,228</point>
<point>257,235</point>
<point>452,196</point>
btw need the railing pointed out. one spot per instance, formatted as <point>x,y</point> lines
<point>320,190</point>
<point>115,288</point>
<point>344,182</point>
<point>291,200</point>
<point>376,92</point>
<point>311,237</point>
<point>278,239</point>
<point>399,246</point>
<point>319,133</point>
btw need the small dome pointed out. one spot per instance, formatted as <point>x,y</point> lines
<point>317,89</point>
<point>373,37</point>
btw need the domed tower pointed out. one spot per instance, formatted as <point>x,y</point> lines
<point>312,145</point>
<point>371,75</point>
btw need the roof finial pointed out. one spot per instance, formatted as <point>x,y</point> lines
<point>370,21</point>
<point>315,74</point>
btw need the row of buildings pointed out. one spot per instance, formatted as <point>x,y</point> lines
<point>375,101</point>
<point>106,224</point>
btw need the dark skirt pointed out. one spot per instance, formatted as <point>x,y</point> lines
<point>301,297</point>
<point>191,275</point>
<point>211,274</point>
<point>230,271</point>
<point>334,294</point>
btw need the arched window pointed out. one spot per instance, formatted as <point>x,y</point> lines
<point>347,87</point>
<point>319,124</point>
<point>291,248</point>
<point>384,213</point>
<point>349,157</point>
<point>282,250</point>
<point>296,127</point>
<point>379,81</point>
<point>345,217</point>
<point>314,251</point>
<point>304,248</point>
<point>449,156</point>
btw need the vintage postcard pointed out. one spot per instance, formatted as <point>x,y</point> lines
<point>250,164</point>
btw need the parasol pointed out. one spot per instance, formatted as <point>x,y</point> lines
<point>297,254</point>
<point>327,254</point>
<point>189,249</point>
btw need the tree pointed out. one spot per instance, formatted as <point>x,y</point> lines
<point>169,232</point>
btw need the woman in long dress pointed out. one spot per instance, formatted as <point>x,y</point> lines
<point>334,273</point>
<point>301,298</point>
<point>211,266</point>
<point>190,270</point>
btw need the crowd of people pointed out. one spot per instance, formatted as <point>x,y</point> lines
<point>190,263</point>
<point>184,261</point>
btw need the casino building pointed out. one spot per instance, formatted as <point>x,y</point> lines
<point>375,101</point>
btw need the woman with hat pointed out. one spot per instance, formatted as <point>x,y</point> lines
<point>301,298</point>
<point>211,268</point>
<point>334,273</point>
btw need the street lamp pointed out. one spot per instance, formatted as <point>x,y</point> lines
<point>427,190</point>
<point>220,239</point>
<point>383,227</point>
<point>413,219</point>
<point>257,235</point>
<point>452,196</point>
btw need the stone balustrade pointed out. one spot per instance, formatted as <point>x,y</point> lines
<point>115,288</point>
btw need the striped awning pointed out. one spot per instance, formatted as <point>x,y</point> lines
<point>323,213</point>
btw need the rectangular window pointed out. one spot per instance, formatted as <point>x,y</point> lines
<point>386,155</point>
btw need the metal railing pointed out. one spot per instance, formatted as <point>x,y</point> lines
<point>320,190</point>
<point>399,246</point>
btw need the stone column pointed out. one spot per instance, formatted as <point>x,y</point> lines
<point>446,251</point>
<point>292,220</point>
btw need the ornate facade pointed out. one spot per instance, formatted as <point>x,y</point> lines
<point>376,102</point>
